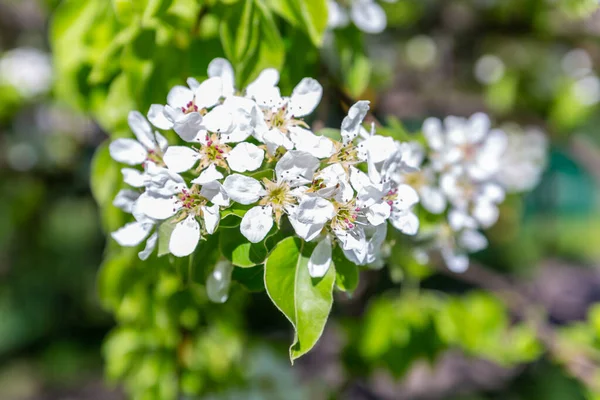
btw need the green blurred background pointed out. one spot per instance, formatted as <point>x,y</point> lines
<point>524,61</point>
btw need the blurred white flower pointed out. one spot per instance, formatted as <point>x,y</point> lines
<point>524,160</point>
<point>28,70</point>
<point>489,69</point>
<point>367,15</point>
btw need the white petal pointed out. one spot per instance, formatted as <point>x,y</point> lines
<point>296,167</point>
<point>150,246</point>
<point>315,210</point>
<point>460,219</point>
<point>336,15</point>
<point>125,199</point>
<point>215,192</point>
<point>486,213</point>
<point>432,199</point>
<point>161,141</point>
<point>131,234</point>
<point>185,237</point>
<point>305,97</point>
<point>157,207</point>
<point>472,241</point>
<point>433,132</point>
<point>256,223</point>
<point>179,96</point>
<point>407,197</point>
<point>222,68</point>
<point>156,115</point>
<point>219,119</point>
<point>478,126</point>
<point>218,282</point>
<point>192,83</point>
<point>378,213</point>
<point>266,80</point>
<point>141,129</point>
<point>320,259</point>
<point>307,232</point>
<point>368,16</point>
<point>208,93</point>
<point>406,222</point>
<point>180,158</point>
<point>351,124</point>
<point>127,151</point>
<point>133,177</point>
<point>245,157</point>
<point>243,189</point>
<point>210,174</point>
<point>305,140</point>
<point>211,218</point>
<point>189,127</point>
<point>456,262</point>
<point>379,148</point>
<point>275,139</point>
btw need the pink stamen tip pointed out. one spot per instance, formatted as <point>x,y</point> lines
<point>350,226</point>
<point>346,220</point>
<point>220,151</point>
<point>390,202</point>
<point>209,143</point>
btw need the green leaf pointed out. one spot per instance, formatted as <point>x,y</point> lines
<point>239,32</point>
<point>269,51</point>
<point>310,16</point>
<point>306,302</point>
<point>105,176</point>
<point>346,272</point>
<point>237,249</point>
<point>251,278</point>
<point>165,229</point>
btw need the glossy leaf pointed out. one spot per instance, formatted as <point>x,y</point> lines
<point>306,302</point>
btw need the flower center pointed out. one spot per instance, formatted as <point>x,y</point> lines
<point>278,196</point>
<point>191,201</point>
<point>345,216</point>
<point>278,119</point>
<point>191,107</point>
<point>345,155</point>
<point>156,157</point>
<point>213,152</point>
<point>415,179</point>
<point>391,197</point>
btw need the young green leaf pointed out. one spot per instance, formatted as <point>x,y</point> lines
<point>306,302</point>
<point>237,249</point>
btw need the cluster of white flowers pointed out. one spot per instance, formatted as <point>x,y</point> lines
<point>251,150</point>
<point>28,70</point>
<point>469,169</point>
<point>367,15</point>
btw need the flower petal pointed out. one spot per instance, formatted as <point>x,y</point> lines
<point>131,234</point>
<point>210,174</point>
<point>243,189</point>
<point>141,129</point>
<point>456,262</point>
<point>378,213</point>
<point>296,167</point>
<point>256,223</point>
<point>406,222</point>
<point>266,80</point>
<point>185,237</point>
<point>189,127</point>
<point>245,157</point>
<point>222,68</point>
<point>336,15</point>
<point>211,218</point>
<point>219,119</point>
<point>179,96</point>
<point>156,115</point>
<point>368,16</point>
<point>215,192</point>
<point>472,240</point>
<point>320,259</point>
<point>180,158</point>
<point>351,124</point>
<point>305,140</point>
<point>150,246</point>
<point>125,199</point>
<point>208,93</point>
<point>315,210</point>
<point>127,151</point>
<point>133,177</point>
<point>305,97</point>
<point>157,207</point>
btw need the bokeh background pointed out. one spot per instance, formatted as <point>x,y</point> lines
<point>528,63</point>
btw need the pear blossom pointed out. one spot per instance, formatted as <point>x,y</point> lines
<point>149,145</point>
<point>470,143</point>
